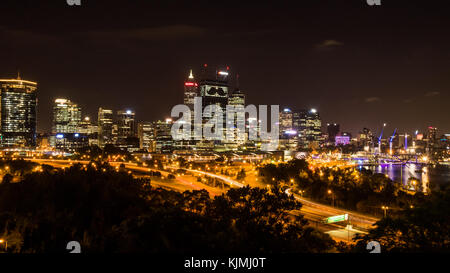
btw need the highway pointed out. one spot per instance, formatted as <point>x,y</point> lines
<point>314,212</point>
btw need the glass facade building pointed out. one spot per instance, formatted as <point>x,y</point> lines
<point>18,113</point>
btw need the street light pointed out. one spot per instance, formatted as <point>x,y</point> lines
<point>6,243</point>
<point>332,196</point>
<point>385,208</point>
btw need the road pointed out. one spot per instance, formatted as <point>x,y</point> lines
<point>314,212</point>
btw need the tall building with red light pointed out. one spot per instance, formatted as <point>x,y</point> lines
<point>190,90</point>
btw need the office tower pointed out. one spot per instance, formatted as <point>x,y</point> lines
<point>214,90</point>
<point>299,125</point>
<point>105,127</point>
<point>333,130</point>
<point>190,91</point>
<point>18,113</point>
<point>86,127</point>
<point>125,124</point>
<point>90,130</point>
<point>66,116</point>
<point>313,128</point>
<point>288,132</point>
<point>163,136</point>
<point>236,137</point>
<point>286,122</point>
<point>146,134</point>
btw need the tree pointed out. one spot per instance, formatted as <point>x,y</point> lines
<point>425,228</point>
<point>241,175</point>
<point>109,211</point>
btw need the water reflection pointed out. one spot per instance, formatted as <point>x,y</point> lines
<point>424,174</point>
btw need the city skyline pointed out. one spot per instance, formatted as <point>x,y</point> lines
<point>387,73</point>
<point>203,131</point>
<point>233,86</point>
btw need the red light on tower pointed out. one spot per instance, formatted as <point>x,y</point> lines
<point>205,65</point>
<point>228,68</point>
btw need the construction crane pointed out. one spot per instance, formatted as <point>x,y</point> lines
<point>379,138</point>
<point>390,141</point>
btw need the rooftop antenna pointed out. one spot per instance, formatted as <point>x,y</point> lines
<point>191,76</point>
<point>18,74</point>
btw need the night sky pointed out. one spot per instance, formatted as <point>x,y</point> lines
<point>359,65</point>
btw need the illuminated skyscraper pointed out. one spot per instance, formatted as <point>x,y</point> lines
<point>105,127</point>
<point>214,90</point>
<point>286,121</point>
<point>236,137</point>
<point>146,134</point>
<point>190,90</point>
<point>18,113</point>
<point>66,117</point>
<point>313,128</point>
<point>163,137</point>
<point>125,124</point>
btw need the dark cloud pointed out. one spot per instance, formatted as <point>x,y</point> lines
<point>432,94</point>
<point>372,99</point>
<point>328,44</point>
<point>163,33</point>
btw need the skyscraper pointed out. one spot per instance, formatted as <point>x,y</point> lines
<point>163,136</point>
<point>105,124</point>
<point>214,90</point>
<point>125,124</point>
<point>66,116</point>
<point>18,113</point>
<point>146,134</point>
<point>286,120</point>
<point>190,90</point>
<point>236,137</point>
<point>333,130</point>
<point>313,128</point>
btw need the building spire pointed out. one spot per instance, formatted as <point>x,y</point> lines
<point>18,74</point>
<point>191,76</point>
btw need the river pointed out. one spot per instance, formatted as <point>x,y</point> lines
<point>401,173</point>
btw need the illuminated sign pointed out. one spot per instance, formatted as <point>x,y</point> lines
<point>59,136</point>
<point>337,218</point>
<point>223,73</point>
<point>190,84</point>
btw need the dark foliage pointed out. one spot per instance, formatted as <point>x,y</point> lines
<point>109,211</point>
